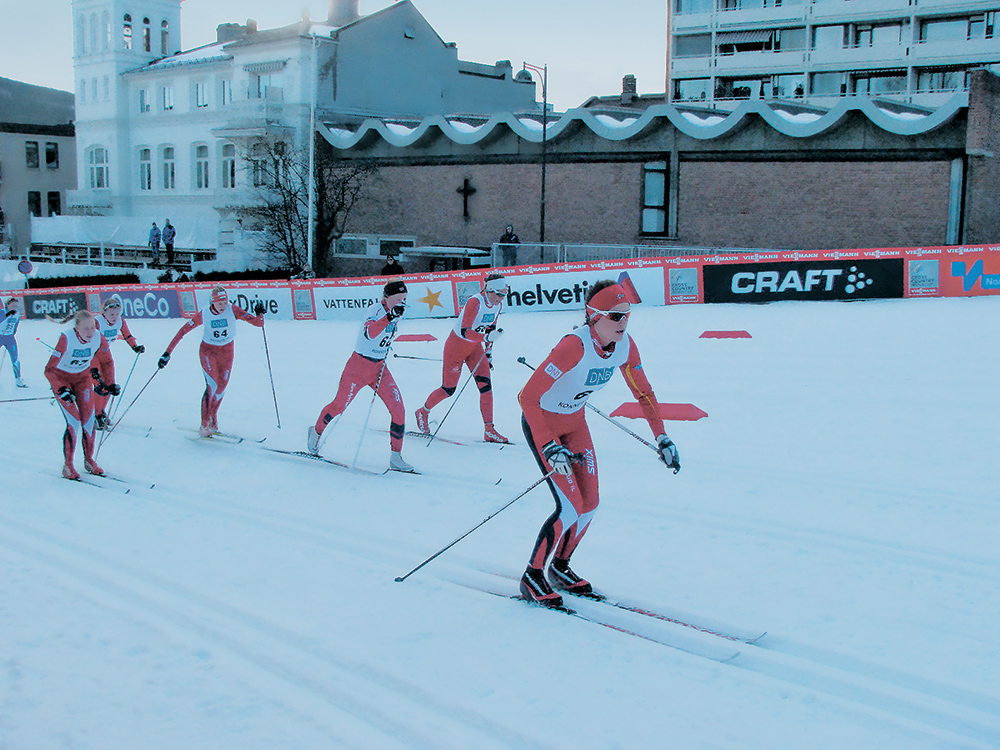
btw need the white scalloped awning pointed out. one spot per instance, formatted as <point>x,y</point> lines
<point>744,37</point>
<point>265,67</point>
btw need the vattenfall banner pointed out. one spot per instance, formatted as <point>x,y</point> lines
<point>882,273</point>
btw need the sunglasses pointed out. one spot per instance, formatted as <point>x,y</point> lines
<point>618,317</point>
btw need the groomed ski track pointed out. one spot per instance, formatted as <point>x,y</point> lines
<point>247,599</point>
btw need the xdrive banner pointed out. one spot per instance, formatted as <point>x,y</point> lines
<point>804,280</point>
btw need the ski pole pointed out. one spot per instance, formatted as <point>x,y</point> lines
<point>440,552</point>
<point>378,383</point>
<point>112,428</point>
<point>424,359</point>
<point>619,425</point>
<point>118,402</point>
<point>468,380</point>
<point>35,398</point>
<point>267,354</point>
<point>50,348</point>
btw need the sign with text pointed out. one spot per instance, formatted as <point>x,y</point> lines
<point>277,300</point>
<point>54,305</point>
<point>148,304</point>
<point>568,291</point>
<point>804,280</point>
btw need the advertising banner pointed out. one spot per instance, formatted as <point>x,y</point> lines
<point>277,300</point>
<point>159,303</point>
<point>425,299</point>
<point>804,280</point>
<point>568,290</point>
<point>975,274</point>
<point>57,304</point>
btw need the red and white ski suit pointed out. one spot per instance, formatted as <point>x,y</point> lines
<point>366,368</point>
<point>216,353</point>
<point>69,367</point>
<point>465,347</point>
<point>111,332</point>
<point>553,402</point>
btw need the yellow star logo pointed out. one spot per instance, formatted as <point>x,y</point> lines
<point>432,300</point>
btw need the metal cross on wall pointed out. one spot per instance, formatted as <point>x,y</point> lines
<point>465,191</point>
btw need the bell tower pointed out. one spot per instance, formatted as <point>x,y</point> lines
<point>111,37</point>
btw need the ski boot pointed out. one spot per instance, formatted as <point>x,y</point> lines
<point>563,577</point>
<point>102,422</point>
<point>536,589</point>
<point>20,383</point>
<point>490,435</point>
<point>396,463</point>
<point>205,431</point>
<point>92,468</point>
<point>423,420</point>
<point>312,440</point>
<point>69,472</point>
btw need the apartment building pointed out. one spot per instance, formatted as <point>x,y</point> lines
<point>918,52</point>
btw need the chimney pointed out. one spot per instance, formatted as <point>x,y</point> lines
<point>343,12</point>
<point>229,32</point>
<point>628,89</point>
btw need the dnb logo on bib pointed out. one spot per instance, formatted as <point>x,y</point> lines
<point>219,323</point>
<point>81,353</point>
<point>599,375</point>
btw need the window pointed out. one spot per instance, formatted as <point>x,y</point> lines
<point>790,40</point>
<point>97,159</point>
<point>168,98</point>
<point>826,84</point>
<point>55,203</point>
<point>877,85</point>
<point>143,100</point>
<point>52,155</point>
<point>877,36</point>
<point>93,89</point>
<point>693,89</point>
<point>81,36</point>
<point>164,38</point>
<point>694,45</point>
<point>828,37</point>
<point>106,41</point>
<point>944,30</point>
<point>201,94</point>
<point>229,166</point>
<point>258,160</point>
<point>147,40</point>
<point>83,90</point>
<point>693,6</point>
<point>790,86</point>
<point>127,31</point>
<point>942,80</point>
<point>31,154</point>
<point>145,169</point>
<point>168,168</point>
<point>201,167</point>
<point>107,88</point>
<point>34,203</point>
<point>259,85</point>
<point>742,88</point>
<point>227,91</point>
<point>654,198</point>
<point>93,33</point>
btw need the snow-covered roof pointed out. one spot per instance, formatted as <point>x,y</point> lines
<point>699,123</point>
<point>209,53</point>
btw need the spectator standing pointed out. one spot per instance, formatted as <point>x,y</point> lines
<point>392,268</point>
<point>508,246</point>
<point>154,243</point>
<point>168,241</point>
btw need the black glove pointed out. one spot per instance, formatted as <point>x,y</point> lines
<point>163,360</point>
<point>95,374</point>
<point>559,457</point>
<point>493,333</point>
<point>138,348</point>
<point>668,453</point>
<point>259,308</point>
<point>66,395</point>
<point>395,312</point>
<point>114,389</point>
<point>101,390</point>
<point>10,312</point>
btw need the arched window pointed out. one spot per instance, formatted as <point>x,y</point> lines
<point>81,36</point>
<point>201,167</point>
<point>164,38</point>
<point>97,159</point>
<point>145,169</point>
<point>93,33</point>
<point>127,31</point>
<point>229,166</point>
<point>147,39</point>
<point>106,42</point>
<point>168,168</point>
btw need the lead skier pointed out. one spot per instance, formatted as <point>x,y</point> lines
<point>216,351</point>
<point>72,378</point>
<point>554,423</point>
<point>113,326</point>
<point>366,367</point>
<point>8,327</point>
<point>470,344</point>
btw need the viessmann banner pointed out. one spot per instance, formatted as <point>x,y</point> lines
<point>819,279</point>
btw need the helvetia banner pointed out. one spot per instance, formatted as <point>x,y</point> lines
<point>805,280</point>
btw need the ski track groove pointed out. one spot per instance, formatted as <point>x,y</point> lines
<point>217,622</point>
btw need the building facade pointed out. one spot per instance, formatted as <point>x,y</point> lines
<point>37,159</point>
<point>164,133</point>
<point>767,175</point>
<point>721,52</point>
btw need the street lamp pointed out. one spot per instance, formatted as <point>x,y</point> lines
<point>544,73</point>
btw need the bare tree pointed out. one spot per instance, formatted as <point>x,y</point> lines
<point>281,177</point>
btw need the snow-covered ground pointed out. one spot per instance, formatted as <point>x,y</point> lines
<point>841,495</point>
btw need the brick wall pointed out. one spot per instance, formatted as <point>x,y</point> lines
<point>800,205</point>
<point>982,188</point>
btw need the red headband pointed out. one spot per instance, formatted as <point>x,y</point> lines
<point>220,295</point>
<point>608,298</point>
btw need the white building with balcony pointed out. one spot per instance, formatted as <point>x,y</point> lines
<point>912,51</point>
<point>163,133</point>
